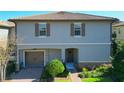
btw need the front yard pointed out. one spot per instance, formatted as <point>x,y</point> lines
<point>112,72</point>
<point>99,79</point>
<point>99,74</point>
<point>51,74</point>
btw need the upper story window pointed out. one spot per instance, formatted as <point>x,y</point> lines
<point>77,29</point>
<point>42,29</point>
<point>119,32</point>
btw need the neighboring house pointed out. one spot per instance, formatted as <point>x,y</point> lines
<point>6,28</point>
<point>118,28</point>
<point>7,33</point>
<point>71,37</point>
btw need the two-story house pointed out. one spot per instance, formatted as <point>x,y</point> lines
<point>71,37</point>
<point>6,28</point>
<point>118,28</point>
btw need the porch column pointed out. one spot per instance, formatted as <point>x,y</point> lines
<point>17,60</point>
<point>63,54</point>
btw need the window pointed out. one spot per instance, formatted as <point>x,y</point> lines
<point>119,32</point>
<point>42,29</point>
<point>77,29</point>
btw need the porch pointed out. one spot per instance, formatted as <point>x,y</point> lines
<point>40,57</point>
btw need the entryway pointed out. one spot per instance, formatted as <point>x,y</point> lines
<point>71,58</point>
<point>71,55</point>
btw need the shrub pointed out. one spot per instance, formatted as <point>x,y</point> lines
<point>54,67</point>
<point>10,68</point>
<point>118,63</point>
<point>80,75</point>
<point>100,71</point>
<point>85,73</point>
<point>118,66</point>
<point>84,69</point>
<point>45,76</point>
<point>65,73</point>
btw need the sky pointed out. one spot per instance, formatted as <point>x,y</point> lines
<point>5,15</point>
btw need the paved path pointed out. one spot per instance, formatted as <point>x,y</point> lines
<point>75,78</point>
<point>26,75</point>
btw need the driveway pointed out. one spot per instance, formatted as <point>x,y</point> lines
<point>26,75</point>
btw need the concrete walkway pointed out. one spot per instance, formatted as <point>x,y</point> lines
<point>26,75</point>
<point>75,78</point>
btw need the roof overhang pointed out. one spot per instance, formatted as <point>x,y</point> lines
<point>15,20</point>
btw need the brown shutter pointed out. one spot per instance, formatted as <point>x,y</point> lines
<point>83,29</point>
<point>48,29</point>
<point>72,29</point>
<point>36,29</point>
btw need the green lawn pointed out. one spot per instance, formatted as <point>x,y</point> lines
<point>100,79</point>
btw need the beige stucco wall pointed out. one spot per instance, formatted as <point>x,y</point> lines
<point>96,32</point>
<point>3,37</point>
<point>119,32</point>
<point>93,47</point>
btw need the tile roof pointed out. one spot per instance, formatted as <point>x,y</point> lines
<point>62,16</point>
<point>6,24</point>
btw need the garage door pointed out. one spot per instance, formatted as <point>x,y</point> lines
<point>34,59</point>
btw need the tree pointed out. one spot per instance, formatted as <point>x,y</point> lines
<point>54,67</point>
<point>114,44</point>
<point>5,53</point>
<point>118,66</point>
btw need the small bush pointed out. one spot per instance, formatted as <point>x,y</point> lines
<point>85,73</point>
<point>84,69</point>
<point>54,67</point>
<point>101,71</point>
<point>98,72</point>
<point>63,74</point>
<point>81,75</point>
<point>10,68</point>
<point>45,76</point>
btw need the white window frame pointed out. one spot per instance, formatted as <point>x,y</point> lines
<point>80,29</point>
<point>42,36</point>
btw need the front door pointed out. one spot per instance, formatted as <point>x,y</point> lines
<point>69,55</point>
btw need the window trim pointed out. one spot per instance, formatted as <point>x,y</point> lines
<point>77,36</point>
<point>42,36</point>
